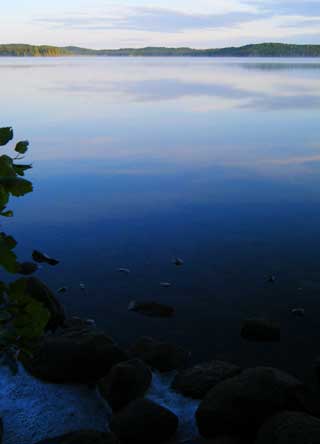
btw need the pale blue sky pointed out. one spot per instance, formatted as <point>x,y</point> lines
<point>123,23</point>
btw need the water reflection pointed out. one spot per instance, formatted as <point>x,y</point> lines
<point>140,160</point>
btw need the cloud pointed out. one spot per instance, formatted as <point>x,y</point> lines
<point>153,19</point>
<point>304,8</point>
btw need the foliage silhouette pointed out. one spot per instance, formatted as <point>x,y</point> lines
<point>22,318</point>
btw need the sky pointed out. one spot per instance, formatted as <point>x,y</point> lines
<point>137,23</point>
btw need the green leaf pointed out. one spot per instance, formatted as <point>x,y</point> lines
<point>16,186</point>
<point>8,213</point>
<point>20,169</point>
<point>6,166</point>
<point>8,259</point>
<point>6,134</point>
<point>4,198</point>
<point>30,316</point>
<point>22,147</point>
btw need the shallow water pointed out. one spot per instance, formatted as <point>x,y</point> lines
<point>215,161</point>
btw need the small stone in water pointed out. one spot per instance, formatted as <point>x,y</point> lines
<point>165,284</point>
<point>152,309</point>
<point>42,257</point>
<point>123,270</point>
<point>299,312</point>
<point>178,262</point>
<point>62,290</point>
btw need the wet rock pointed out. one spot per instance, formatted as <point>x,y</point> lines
<point>159,355</point>
<point>144,422</point>
<point>83,437</point>
<point>195,382</point>
<point>298,312</point>
<point>165,284</point>
<point>239,405</point>
<point>78,353</point>
<point>125,382</point>
<point>260,330</point>
<point>41,293</point>
<point>27,268</point>
<point>290,428</point>
<point>123,270</point>
<point>62,290</point>
<point>43,258</point>
<point>151,309</point>
<point>178,262</point>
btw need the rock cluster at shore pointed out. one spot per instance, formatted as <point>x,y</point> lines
<point>261,405</point>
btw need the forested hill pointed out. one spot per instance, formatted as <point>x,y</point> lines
<point>258,50</point>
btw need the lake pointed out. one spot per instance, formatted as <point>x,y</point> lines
<point>139,160</point>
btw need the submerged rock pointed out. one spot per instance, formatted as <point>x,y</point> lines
<point>27,268</point>
<point>160,355</point>
<point>151,309</point>
<point>239,405</point>
<point>83,437</point>
<point>165,284</point>
<point>178,262</point>
<point>123,270</point>
<point>62,290</point>
<point>43,258</point>
<point>298,312</point>
<point>290,428</point>
<point>79,353</point>
<point>125,382</point>
<point>260,330</point>
<point>195,382</point>
<point>41,293</point>
<point>144,422</point>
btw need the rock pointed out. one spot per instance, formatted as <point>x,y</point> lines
<point>41,293</point>
<point>178,262</point>
<point>78,353</point>
<point>125,382</point>
<point>43,258</point>
<point>260,330</point>
<point>160,355</point>
<point>239,405</point>
<point>152,309</point>
<point>298,312</point>
<point>144,422</point>
<point>27,268</point>
<point>123,270</point>
<point>83,437</point>
<point>62,290</point>
<point>290,428</point>
<point>165,284</point>
<point>195,382</point>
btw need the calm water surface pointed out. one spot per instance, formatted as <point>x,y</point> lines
<point>216,161</point>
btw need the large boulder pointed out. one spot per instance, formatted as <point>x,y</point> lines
<point>290,428</point>
<point>159,355</point>
<point>83,437</point>
<point>239,405</point>
<point>41,293</point>
<point>125,382</point>
<point>195,382</point>
<point>78,353</point>
<point>144,422</point>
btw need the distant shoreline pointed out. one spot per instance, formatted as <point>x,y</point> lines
<point>252,50</point>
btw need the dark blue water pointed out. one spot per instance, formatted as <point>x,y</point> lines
<point>140,160</point>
